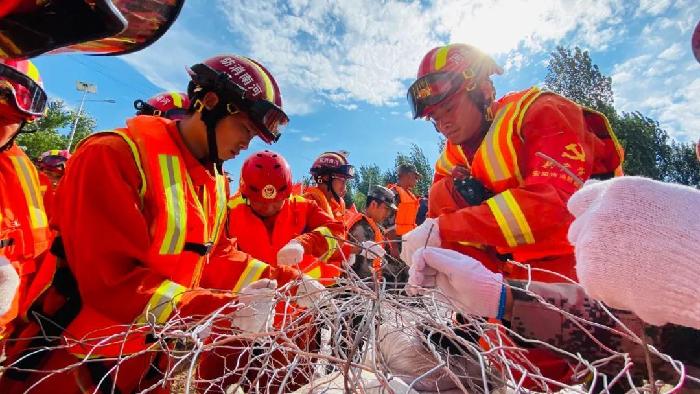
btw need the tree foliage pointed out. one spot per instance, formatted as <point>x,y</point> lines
<point>649,150</point>
<point>52,130</point>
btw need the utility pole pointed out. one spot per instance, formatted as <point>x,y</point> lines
<point>85,88</point>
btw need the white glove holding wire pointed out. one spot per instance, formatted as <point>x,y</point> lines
<point>258,302</point>
<point>9,283</point>
<point>310,292</point>
<point>463,280</point>
<point>372,250</point>
<point>427,234</point>
<point>291,254</point>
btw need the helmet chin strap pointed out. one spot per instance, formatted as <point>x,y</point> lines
<point>211,118</point>
<point>13,138</point>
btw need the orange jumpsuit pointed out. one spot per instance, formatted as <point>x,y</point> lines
<point>106,217</point>
<point>339,212</point>
<point>527,215</point>
<point>24,231</point>
<point>299,219</point>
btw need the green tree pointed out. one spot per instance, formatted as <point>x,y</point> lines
<point>647,152</point>
<point>575,76</point>
<point>683,166</point>
<point>51,131</point>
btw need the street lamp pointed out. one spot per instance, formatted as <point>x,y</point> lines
<point>85,88</point>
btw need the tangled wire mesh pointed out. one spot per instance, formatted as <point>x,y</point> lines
<point>368,336</point>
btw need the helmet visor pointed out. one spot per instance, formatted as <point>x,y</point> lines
<point>432,89</point>
<point>269,118</point>
<point>53,162</point>
<point>26,94</point>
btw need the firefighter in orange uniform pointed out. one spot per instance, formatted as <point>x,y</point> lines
<point>139,215</point>
<point>502,183</point>
<point>331,172</point>
<point>509,166</point>
<point>367,234</point>
<point>408,203</point>
<point>51,165</point>
<point>24,229</point>
<point>282,229</point>
<point>277,227</point>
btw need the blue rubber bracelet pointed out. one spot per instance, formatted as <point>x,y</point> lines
<point>502,303</point>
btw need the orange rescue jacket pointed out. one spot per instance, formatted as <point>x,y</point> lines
<point>407,210</point>
<point>527,215</point>
<point>24,229</point>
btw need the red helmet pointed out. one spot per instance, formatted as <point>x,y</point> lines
<point>21,81</point>
<point>171,105</point>
<point>332,164</point>
<point>266,177</point>
<point>30,28</point>
<point>695,42</point>
<point>244,85</point>
<point>53,161</point>
<point>446,70</point>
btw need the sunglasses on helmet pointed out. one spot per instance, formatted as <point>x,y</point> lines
<point>28,96</point>
<point>143,108</point>
<point>433,88</point>
<point>265,115</point>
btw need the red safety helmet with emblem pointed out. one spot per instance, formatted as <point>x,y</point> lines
<point>29,28</point>
<point>21,89</point>
<point>170,105</point>
<point>246,86</point>
<point>445,71</point>
<point>53,161</point>
<point>332,164</point>
<point>266,177</point>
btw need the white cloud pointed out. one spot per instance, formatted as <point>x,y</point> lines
<point>307,138</point>
<point>348,52</point>
<point>403,141</point>
<point>673,52</point>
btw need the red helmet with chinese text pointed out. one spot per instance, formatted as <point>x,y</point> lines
<point>170,105</point>
<point>242,84</point>
<point>53,161</point>
<point>29,28</point>
<point>266,177</point>
<point>332,164</point>
<point>445,71</point>
<point>21,90</point>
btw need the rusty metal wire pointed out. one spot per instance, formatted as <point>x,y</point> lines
<point>367,336</point>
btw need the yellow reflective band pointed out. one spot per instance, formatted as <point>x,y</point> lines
<point>520,111</point>
<point>269,88</point>
<point>314,273</point>
<point>253,271</point>
<point>444,164</point>
<point>296,198</point>
<point>30,186</point>
<point>523,227</point>
<point>510,219</point>
<point>441,57</point>
<point>220,206</point>
<point>174,239</point>
<point>177,99</point>
<point>495,165</point>
<point>234,202</point>
<point>137,159</point>
<point>162,303</point>
<point>330,240</point>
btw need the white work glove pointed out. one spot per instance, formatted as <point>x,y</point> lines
<point>258,302</point>
<point>372,250</point>
<point>463,280</point>
<point>637,243</point>
<point>291,254</point>
<point>310,292</point>
<point>9,283</point>
<point>427,234</point>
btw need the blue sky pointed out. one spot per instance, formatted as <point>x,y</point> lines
<point>344,66</point>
